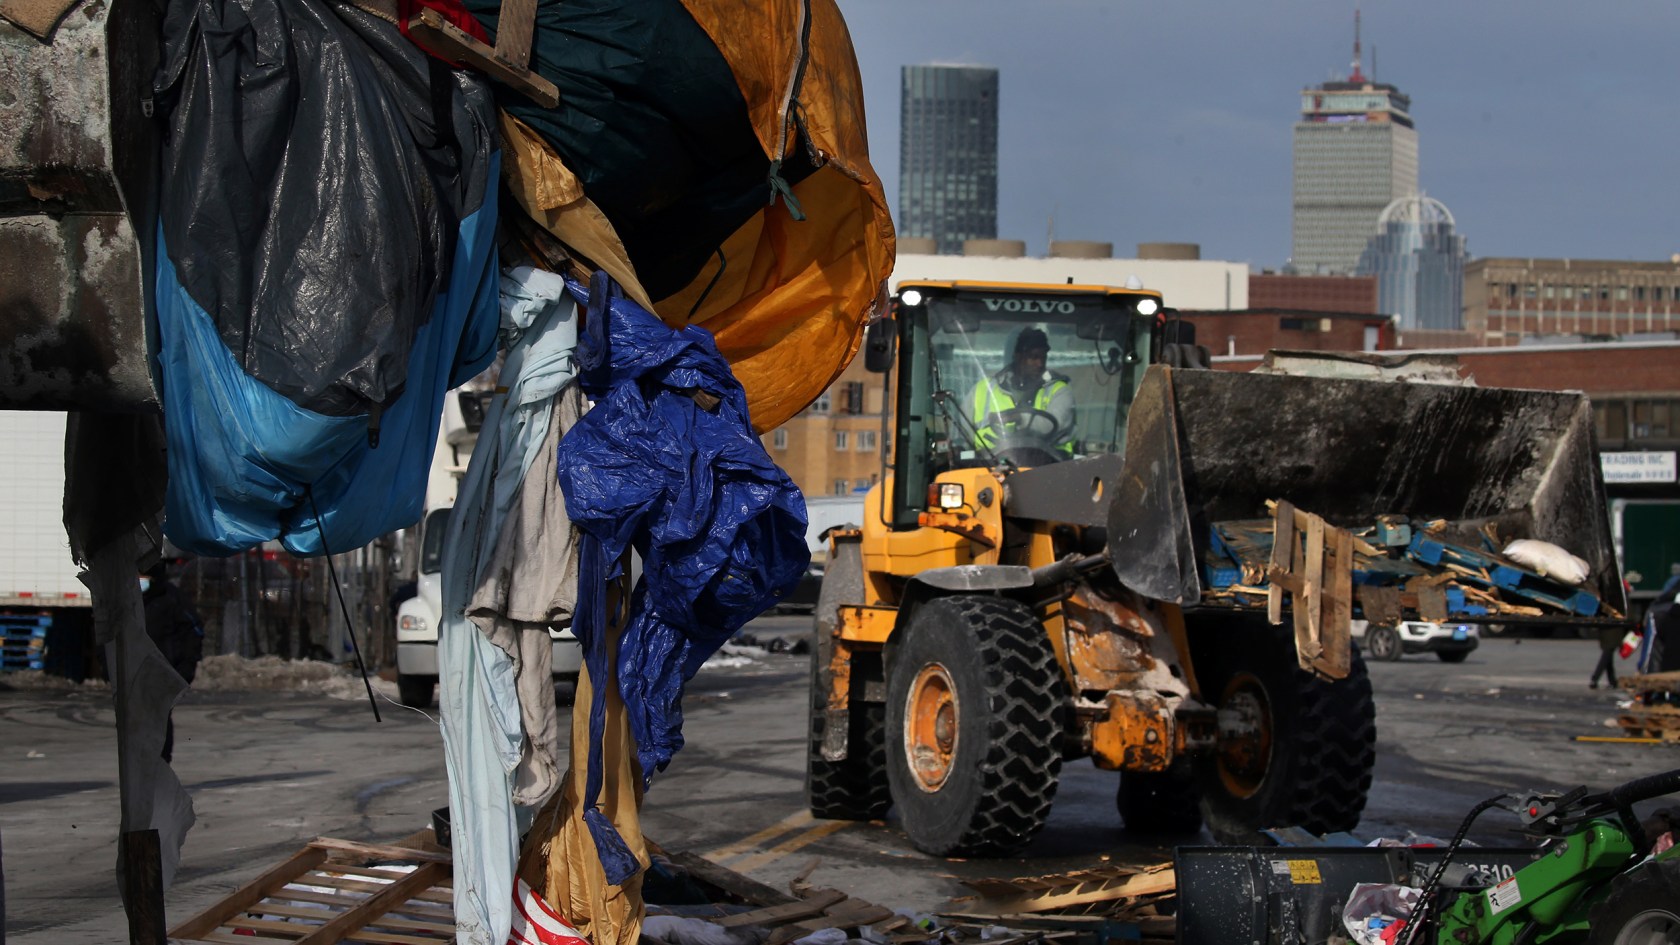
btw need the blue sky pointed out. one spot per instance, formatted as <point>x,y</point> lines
<point>1548,127</point>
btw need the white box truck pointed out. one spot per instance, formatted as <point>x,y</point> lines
<point>46,614</point>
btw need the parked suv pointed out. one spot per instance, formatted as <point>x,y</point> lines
<point>1450,642</point>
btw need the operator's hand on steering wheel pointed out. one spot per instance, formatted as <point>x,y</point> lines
<point>1029,420</point>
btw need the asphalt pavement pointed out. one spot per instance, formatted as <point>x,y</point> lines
<point>268,772</point>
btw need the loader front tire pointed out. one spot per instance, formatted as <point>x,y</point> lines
<point>975,708</point>
<point>1306,758</point>
<point>855,787</point>
<point>1643,906</point>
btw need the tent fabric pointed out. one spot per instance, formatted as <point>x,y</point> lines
<point>482,718</point>
<point>682,167</point>
<point>552,196</point>
<point>667,462</point>
<point>316,166</point>
<point>326,270</point>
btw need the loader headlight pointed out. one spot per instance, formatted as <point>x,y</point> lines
<point>411,624</point>
<point>1148,306</point>
<point>910,298</point>
<point>947,495</point>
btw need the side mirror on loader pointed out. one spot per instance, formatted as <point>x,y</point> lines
<point>880,341</point>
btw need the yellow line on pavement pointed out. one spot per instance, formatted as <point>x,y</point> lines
<point>774,830</point>
<point>789,845</point>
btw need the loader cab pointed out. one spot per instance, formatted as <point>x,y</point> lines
<point>957,406</point>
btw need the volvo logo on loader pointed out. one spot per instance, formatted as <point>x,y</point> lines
<point>1046,306</point>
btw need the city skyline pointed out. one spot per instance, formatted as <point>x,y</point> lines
<point>1548,124</point>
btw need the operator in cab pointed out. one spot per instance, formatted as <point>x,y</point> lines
<point>1023,397</point>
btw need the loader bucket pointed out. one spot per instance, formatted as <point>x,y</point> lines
<point>1210,446</point>
<point>77,179</point>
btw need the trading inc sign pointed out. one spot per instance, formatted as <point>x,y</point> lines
<point>1648,466</point>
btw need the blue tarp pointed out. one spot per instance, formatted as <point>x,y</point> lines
<point>667,462</point>
<point>245,461</point>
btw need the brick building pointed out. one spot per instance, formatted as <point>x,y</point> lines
<point>1508,298</point>
<point>1253,332</point>
<point>1270,290</point>
<point>835,446</point>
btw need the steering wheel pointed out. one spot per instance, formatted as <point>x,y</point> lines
<point>1032,421</point>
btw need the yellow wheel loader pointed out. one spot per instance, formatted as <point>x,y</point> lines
<point>1089,545</point>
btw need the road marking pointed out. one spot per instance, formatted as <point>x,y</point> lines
<point>747,843</point>
<point>789,845</point>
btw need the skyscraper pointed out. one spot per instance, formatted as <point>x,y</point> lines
<point>1355,153</point>
<point>1419,263</point>
<point>947,154</point>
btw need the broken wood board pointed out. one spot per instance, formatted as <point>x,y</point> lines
<point>1312,561</point>
<point>1063,890</point>
<point>444,39</point>
<point>333,891</point>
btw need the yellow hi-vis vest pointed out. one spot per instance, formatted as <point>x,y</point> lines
<point>990,399</point>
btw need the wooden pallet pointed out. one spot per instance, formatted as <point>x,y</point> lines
<point>337,891</point>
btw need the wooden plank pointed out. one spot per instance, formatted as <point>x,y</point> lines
<point>443,38</point>
<point>383,872</point>
<point>857,914</point>
<point>349,901</point>
<point>228,938</point>
<point>374,906</point>
<point>391,920</point>
<point>514,26</point>
<point>1283,544</point>
<point>812,903</point>
<point>250,894</point>
<point>1313,589</point>
<point>1094,889</point>
<point>351,884</point>
<point>142,879</point>
<point>378,851</point>
<point>1336,633</point>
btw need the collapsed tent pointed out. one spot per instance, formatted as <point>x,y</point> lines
<point>711,156</point>
<point>326,269</point>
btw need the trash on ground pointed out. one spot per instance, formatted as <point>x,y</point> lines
<point>1654,711</point>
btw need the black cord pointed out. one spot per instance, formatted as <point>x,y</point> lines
<point>1420,913</point>
<point>349,625</point>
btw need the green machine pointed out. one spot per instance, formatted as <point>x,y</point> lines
<point>1593,877</point>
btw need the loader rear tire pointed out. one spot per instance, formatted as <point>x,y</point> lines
<point>855,787</point>
<point>975,712</point>
<point>1309,765</point>
<point>1643,906</point>
<point>1160,803</point>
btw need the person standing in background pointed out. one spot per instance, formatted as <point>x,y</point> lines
<point>1609,638</point>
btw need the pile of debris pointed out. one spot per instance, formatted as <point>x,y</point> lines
<point>1654,711</point>
<point>1394,567</point>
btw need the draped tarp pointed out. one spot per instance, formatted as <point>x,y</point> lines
<point>721,147</point>
<point>326,268</point>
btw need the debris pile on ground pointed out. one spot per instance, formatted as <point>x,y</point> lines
<point>1654,711</point>
<point>233,673</point>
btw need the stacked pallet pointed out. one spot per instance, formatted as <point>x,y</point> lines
<point>23,642</point>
